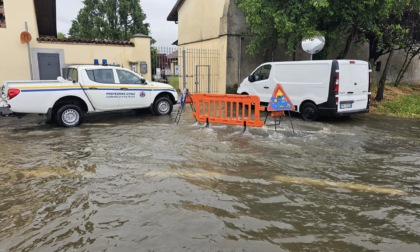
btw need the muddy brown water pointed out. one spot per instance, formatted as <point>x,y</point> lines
<point>134,182</point>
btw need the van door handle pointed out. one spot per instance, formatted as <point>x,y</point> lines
<point>266,87</point>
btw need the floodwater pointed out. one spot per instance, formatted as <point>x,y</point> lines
<point>134,182</point>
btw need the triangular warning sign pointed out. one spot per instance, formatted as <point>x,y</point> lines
<point>279,101</point>
<point>186,97</point>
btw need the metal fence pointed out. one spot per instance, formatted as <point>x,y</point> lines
<point>195,69</point>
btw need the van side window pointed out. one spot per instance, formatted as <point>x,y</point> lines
<point>262,73</point>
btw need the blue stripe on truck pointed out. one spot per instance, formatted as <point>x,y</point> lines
<point>98,89</point>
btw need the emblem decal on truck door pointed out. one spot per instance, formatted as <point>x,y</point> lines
<point>142,94</point>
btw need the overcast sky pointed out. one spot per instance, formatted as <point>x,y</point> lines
<point>164,32</point>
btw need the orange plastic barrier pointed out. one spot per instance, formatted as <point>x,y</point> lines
<point>241,110</point>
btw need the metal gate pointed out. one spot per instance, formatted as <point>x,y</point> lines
<point>195,69</point>
<point>49,66</point>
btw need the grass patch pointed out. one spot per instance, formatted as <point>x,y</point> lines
<point>404,106</point>
<point>402,101</point>
<point>174,82</point>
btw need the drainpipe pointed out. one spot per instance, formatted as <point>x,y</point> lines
<point>240,60</point>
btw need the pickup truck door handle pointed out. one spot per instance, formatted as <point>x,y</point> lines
<point>124,88</point>
<point>350,92</point>
<point>266,87</point>
<point>93,88</point>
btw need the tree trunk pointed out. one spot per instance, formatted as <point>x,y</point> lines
<point>381,85</point>
<point>405,66</point>
<point>349,41</point>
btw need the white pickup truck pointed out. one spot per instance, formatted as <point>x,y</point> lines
<point>87,89</point>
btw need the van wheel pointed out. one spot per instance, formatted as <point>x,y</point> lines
<point>162,106</point>
<point>309,111</point>
<point>69,115</point>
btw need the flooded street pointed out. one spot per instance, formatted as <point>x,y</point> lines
<point>135,182</point>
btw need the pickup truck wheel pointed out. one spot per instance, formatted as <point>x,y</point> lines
<point>162,106</point>
<point>309,111</point>
<point>69,115</point>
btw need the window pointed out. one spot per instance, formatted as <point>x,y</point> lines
<point>262,73</point>
<point>101,76</point>
<point>2,16</point>
<point>127,77</point>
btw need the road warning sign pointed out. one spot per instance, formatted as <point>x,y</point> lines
<point>279,101</point>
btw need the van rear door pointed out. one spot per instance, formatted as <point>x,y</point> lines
<point>353,85</point>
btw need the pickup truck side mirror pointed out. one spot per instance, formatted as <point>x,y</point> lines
<point>251,78</point>
<point>143,81</point>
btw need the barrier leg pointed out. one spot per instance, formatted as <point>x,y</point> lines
<point>291,123</point>
<point>275,115</point>
<point>275,123</point>
<point>266,116</point>
<point>178,114</point>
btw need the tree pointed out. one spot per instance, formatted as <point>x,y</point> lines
<point>396,31</point>
<point>380,23</point>
<point>61,35</point>
<point>411,22</point>
<point>109,19</point>
<point>287,22</point>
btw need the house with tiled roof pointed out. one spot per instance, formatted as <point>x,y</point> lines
<point>45,56</point>
<point>219,25</point>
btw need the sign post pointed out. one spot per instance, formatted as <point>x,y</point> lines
<point>25,38</point>
<point>279,103</point>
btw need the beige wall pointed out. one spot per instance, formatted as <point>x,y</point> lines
<point>14,55</point>
<point>207,53</point>
<point>14,63</point>
<point>199,28</point>
<point>86,53</point>
<point>199,20</point>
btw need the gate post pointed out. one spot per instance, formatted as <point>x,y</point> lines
<point>184,70</point>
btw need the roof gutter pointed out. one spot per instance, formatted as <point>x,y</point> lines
<point>173,15</point>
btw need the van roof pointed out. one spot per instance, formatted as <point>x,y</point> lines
<point>318,61</point>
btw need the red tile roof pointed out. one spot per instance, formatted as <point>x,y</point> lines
<point>85,41</point>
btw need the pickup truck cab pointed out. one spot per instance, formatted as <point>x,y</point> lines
<point>87,89</point>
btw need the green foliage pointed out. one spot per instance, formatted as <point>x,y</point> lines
<point>109,19</point>
<point>287,22</point>
<point>155,60</point>
<point>174,82</point>
<point>61,35</point>
<point>404,106</point>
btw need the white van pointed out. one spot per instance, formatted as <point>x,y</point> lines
<point>316,88</point>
